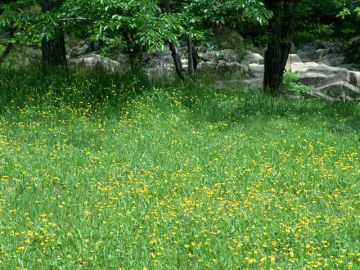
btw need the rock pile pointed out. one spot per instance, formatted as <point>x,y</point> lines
<point>323,69</point>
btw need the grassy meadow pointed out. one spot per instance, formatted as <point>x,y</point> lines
<point>99,171</point>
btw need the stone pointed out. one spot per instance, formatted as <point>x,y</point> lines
<point>93,60</point>
<point>319,54</point>
<point>80,50</point>
<point>254,58</point>
<point>314,74</point>
<point>335,48</point>
<point>294,59</point>
<point>355,78</point>
<point>355,40</point>
<point>256,71</point>
<point>222,55</point>
<point>231,67</point>
<point>239,84</point>
<point>338,91</point>
<point>334,59</point>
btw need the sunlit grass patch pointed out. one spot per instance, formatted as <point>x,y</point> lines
<point>128,175</point>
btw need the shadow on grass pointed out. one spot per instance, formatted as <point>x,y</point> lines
<point>248,105</point>
<point>76,88</point>
<point>81,87</point>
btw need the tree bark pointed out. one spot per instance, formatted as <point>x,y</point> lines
<point>279,45</point>
<point>177,61</point>
<point>134,50</point>
<point>6,52</point>
<point>195,57</point>
<point>53,50</point>
<point>8,48</point>
<point>191,70</point>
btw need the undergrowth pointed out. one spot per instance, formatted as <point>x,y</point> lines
<point>107,171</point>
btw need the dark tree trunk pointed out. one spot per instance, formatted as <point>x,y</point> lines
<point>6,52</point>
<point>10,45</point>
<point>177,61</point>
<point>8,48</point>
<point>279,45</point>
<point>191,69</point>
<point>53,50</point>
<point>135,51</point>
<point>195,57</point>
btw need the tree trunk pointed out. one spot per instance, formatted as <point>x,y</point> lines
<point>177,61</point>
<point>134,50</point>
<point>53,50</point>
<point>278,46</point>
<point>191,70</point>
<point>8,48</point>
<point>6,52</point>
<point>195,57</point>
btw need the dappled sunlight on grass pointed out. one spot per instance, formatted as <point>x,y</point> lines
<point>177,178</point>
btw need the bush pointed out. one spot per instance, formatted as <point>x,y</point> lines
<point>292,86</point>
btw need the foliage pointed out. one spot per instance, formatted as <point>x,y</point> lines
<point>292,86</point>
<point>325,20</point>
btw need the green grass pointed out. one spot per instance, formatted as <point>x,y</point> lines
<point>98,171</point>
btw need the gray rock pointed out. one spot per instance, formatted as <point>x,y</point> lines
<point>93,60</point>
<point>355,40</point>
<point>232,67</point>
<point>80,50</point>
<point>239,84</point>
<point>317,75</point>
<point>256,71</point>
<point>334,59</point>
<point>253,58</point>
<point>293,59</point>
<point>337,91</point>
<point>355,78</point>
<point>222,55</point>
<point>318,54</point>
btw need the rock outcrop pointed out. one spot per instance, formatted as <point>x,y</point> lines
<point>323,69</point>
<point>95,60</point>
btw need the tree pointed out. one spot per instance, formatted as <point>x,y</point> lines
<point>36,21</point>
<point>53,49</point>
<point>201,17</point>
<point>279,45</point>
<point>9,45</point>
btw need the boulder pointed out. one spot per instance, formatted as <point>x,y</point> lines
<point>80,50</point>
<point>256,71</point>
<point>355,40</point>
<point>222,55</point>
<point>337,91</point>
<point>355,78</point>
<point>253,58</point>
<point>334,59</point>
<point>95,60</point>
<point>333,54</point>
<point>239,84</point>
<point>318,54</point>
<point>231,67</point>
<point>318,75</point>
<point>293,59</point>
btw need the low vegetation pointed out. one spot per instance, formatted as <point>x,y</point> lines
<point>99,171</point>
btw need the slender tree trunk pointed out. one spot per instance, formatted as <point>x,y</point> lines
<point>191,70</point>
<point>177,61</point>
<point>8,47</point>
<point>135,51</point>
<point>278,46</point>
<point>53,50</point>
<point>168,8</point>
<point>195,57</point>
<point>6,52</point>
